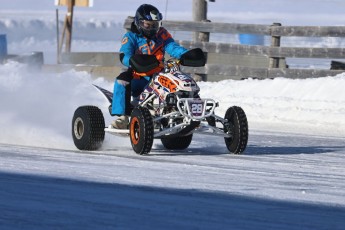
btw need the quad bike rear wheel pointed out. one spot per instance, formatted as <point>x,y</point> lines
<point>88,128</point>
<point>237,127</point>
<point>141,130</point>
<point>177,143</point>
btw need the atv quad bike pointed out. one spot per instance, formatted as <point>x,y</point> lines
<point>169,109</point>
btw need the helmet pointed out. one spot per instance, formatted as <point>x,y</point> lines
<point>148,20</point>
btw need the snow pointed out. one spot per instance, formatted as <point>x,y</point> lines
<point>275,185</point>
<point>290,177</point>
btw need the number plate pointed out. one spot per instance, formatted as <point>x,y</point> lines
<point>196,108</point>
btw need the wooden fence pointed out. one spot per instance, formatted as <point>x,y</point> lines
<point>231,61</point>
<point>274,53</point>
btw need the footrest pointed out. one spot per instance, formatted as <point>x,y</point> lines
<point>122,132</point>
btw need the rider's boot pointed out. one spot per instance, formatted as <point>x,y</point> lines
<point>121,122</point>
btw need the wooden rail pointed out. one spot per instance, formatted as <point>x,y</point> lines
<point>234,28</point>
<point>293,52</point>
<point>231,61</point>
<point>276,31</point>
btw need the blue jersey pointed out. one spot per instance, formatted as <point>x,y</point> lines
<point>134,43</point>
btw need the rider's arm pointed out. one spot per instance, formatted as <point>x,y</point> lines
<point>170,46</point>
<point>127,48</point>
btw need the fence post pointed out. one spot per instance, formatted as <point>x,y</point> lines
<point>3,47</point>
<point>69,20</point>
<point>275,42</point>
<point>200,15</point>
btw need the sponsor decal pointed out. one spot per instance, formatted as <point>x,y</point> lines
<point>167,83</point>
<point>124,40</point>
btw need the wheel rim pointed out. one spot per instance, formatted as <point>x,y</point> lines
<point>78,128</point>
<point>135,130</point>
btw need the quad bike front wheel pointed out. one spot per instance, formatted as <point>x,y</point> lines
<point>141,130</point>
<point>237,127</point>
<point>88,128</point>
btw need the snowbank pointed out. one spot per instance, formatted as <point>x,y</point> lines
<point>308,106</point>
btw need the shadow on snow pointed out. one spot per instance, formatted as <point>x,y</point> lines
<point>281,150</point>
<point>36,202</point>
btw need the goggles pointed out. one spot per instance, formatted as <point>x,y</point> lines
<point>150,25</point>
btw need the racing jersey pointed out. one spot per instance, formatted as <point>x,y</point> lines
<point>135,43</point>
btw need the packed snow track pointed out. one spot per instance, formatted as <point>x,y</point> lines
<point>281,182</point>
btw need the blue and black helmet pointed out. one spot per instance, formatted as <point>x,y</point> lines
<point>148,20</point>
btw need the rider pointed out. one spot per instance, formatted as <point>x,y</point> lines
<point>145,37</point>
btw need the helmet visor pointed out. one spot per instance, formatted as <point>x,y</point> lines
<point>150,25</point>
